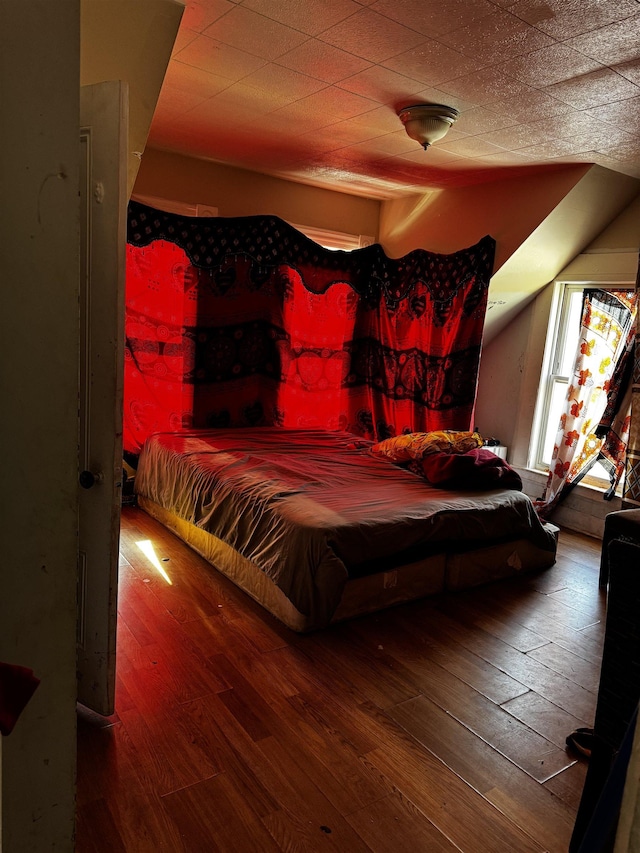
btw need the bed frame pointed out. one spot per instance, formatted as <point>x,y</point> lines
<point>395,585</point>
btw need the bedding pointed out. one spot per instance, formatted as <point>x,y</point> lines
<point>301,519</point>
<point>475,469</point>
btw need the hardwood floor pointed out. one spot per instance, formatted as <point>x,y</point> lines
<point>437,726</point>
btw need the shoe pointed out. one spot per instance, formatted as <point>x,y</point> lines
<point>581,740</point>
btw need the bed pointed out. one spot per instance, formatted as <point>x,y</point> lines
<point>316,528</point>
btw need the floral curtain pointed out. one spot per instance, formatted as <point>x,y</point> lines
<point>247,322</point>
<point>596,421</point>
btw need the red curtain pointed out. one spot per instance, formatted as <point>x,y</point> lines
<point>247,322</point>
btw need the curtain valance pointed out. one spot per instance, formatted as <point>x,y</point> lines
<point>213,243</point>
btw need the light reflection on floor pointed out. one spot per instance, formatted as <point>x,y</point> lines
<point>146,546</point>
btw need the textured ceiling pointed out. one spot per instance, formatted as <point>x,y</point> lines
<point>309,90</point>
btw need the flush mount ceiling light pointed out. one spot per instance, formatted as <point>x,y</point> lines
<point>427,123</point>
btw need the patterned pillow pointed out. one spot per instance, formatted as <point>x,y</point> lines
<point>413,446</point>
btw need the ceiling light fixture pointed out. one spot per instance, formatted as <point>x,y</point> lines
<point>427,123</point>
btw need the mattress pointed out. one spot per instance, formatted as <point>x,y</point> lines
<point>309,513</point>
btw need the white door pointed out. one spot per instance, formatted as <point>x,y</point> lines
<point>103,207</point>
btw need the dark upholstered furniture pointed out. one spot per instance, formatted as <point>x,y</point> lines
<point>623,525</point>
<point>619,689</point>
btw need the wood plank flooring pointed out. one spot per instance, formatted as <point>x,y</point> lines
<point>434,726</point>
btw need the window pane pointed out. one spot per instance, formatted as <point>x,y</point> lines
<point>600,472</point>
<point>556,406</point>
<point>571,334</point>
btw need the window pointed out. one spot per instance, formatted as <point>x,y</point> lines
<point>334,239</point>
<point>560,354</point>
<point>181,208</point>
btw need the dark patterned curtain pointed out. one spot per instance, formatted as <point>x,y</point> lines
<point>247,322</point>
<point>631,490</point>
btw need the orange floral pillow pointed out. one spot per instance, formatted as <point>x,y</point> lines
<point>413,446</point>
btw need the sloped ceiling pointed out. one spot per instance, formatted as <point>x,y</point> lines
<point>584,212</point>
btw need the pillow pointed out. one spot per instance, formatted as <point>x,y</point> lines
<point>476,469</point>
<point>416,445</point>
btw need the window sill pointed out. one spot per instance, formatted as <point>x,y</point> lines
<point>589,490</point>
<point>583,510</point>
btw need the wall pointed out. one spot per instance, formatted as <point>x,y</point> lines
<point>236,192</point>
<point>509,377</point>
<point>129,40</point>
<point>39,150</point>
<point>511,365</point>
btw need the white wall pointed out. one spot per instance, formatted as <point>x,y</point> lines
<point>39,150</point>
<point>509,377</point>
